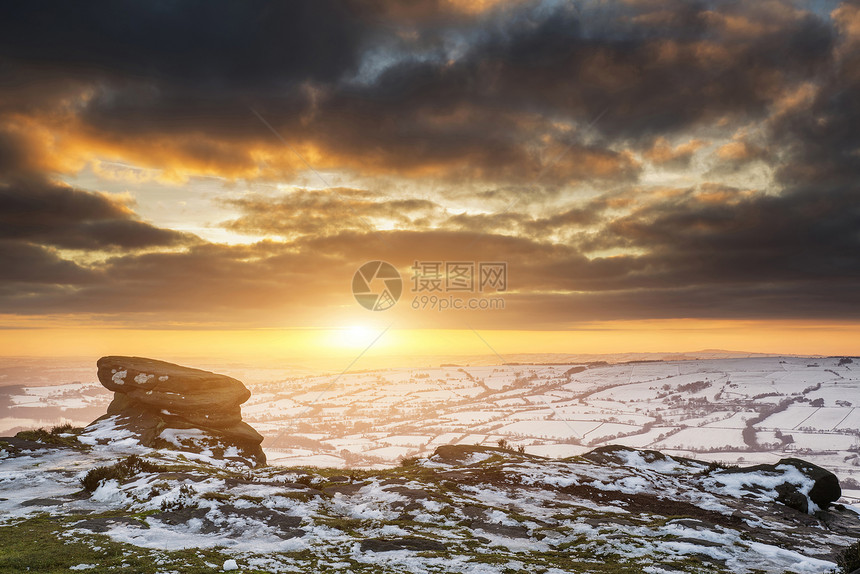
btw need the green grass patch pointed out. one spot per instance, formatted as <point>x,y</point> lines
<point>39,545</point>
<point>121,471</point>
<point>58,435</point>
<point>215,496</point>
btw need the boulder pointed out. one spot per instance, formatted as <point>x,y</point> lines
<point>824,489</point>
<point>196,395</point>
<point>151,397</point>
<point>413,543</point>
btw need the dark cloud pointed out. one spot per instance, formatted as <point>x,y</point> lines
<point>819,141</point>
<point>454,99</point>
<point>552,285</point>
<point>12,155</point>
<point>25,263</point>
<point>62,216</point>
<point>520,79</point>
<point>206,44</point>
<point>326,212</point>
<point>751,302</point>
<point>242,285</point>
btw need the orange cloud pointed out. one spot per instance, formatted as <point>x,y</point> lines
<point>740,151</point>
<point>662,151</point>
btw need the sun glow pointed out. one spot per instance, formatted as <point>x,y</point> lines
<point>354,336</point>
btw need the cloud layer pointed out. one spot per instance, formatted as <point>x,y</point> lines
<point>629,160</point>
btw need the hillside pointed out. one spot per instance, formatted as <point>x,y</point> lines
<point>68,502</point>
<point>739,410</point>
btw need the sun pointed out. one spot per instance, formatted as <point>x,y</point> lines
<point>354,336</point>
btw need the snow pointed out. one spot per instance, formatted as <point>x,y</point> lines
<point>176,436</point>
<point>539,500</point>
<point>230,565</point>
<point>701,439</point>
<point>550,428</point>
<point>313,460</point>
<point>142,378</point>
<point>106,430</point>
<point>109,492</point>
<point>476,457</point>
<point>556,450</point>
<point>541,408</point>
<point>391,452</point>
<point>738,484</point>
<point>794,560</point>
<point>400,412</point>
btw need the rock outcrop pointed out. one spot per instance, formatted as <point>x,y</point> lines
<point>796,483</point>
<point>155,399</point>
<point>816,484</point>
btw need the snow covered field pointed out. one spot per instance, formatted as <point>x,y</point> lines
<point>756,409</point>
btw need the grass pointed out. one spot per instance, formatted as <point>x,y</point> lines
<point>58,435</point>
<point>39,545</point>
<point>715,466</point>
<point>216,496</point>
<point>299,496</point>
<point>121,471</point>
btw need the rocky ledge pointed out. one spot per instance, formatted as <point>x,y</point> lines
<point>163,405</point>
<point>465,509</point>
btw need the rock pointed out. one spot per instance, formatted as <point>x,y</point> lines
<point>454,453</point>
<point>269,517</point>
<point>825,489</point>
<point>411,493</point>
<point>699,542</point>
<point>413,543</point>
<point>790,496</point>
<point>460,453</point>
<point>43,502</point>
<point>105,523</point>
<point>618,454</point>
<point>473,511</point>
<point>345,489</point>
<point>198,396</point>
<point>184,515</point>
<point>242,431</point>
<point>517,531</point>
<point>158,400</point>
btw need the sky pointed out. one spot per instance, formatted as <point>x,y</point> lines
<point>209,176</point>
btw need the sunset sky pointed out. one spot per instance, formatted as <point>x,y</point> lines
<point>182,178</point>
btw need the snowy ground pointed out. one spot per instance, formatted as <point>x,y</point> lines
<point>465,509</point>
<point>694,408</point>
<point>808,407</point>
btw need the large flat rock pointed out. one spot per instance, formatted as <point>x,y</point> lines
<point>154,397</point>
<point>171,387</point>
